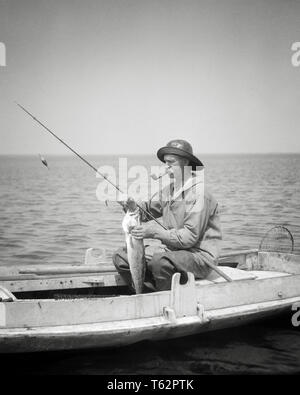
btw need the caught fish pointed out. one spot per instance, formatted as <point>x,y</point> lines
<point>135,249</point>
<point>43,160</point>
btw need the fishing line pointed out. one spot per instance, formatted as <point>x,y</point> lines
<point>85,161</point>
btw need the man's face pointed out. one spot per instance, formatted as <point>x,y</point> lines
<point>176,165</point>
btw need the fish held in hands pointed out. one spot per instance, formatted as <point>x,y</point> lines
<point>135,248</point>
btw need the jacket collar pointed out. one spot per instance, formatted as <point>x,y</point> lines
<point>197,178</point>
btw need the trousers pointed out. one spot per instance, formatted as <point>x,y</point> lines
<point>161,267</point>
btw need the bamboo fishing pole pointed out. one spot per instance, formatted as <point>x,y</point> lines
<point>88,163</point>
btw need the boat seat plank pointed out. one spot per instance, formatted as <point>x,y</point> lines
<point>233,273</point>
<point>237,274</point>
<point>260,274</point>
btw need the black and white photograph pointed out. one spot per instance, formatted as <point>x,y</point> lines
<point>150,190</point>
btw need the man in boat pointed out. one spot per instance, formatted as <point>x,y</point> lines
<point>192,237</point>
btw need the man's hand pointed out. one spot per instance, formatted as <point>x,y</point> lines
<point>139,232</point>
<point>149,230</point>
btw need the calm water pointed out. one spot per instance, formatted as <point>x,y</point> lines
<point>53,216</point>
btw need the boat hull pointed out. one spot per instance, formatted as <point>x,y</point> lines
<point>117,334</point>
<point>264,285</point>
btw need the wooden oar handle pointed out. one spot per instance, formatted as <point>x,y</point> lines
<point>219,271</point>
<point>83,269</point>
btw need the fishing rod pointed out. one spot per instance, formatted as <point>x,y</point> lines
<point>211,265</point>
<point>85,161</point>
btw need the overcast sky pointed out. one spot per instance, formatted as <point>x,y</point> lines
<point>126,76</point>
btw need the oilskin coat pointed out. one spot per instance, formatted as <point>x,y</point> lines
<point>192,220</point>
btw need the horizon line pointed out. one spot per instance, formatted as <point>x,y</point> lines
<point>152,154</point>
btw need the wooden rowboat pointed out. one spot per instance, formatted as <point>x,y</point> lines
<point>33,318</point>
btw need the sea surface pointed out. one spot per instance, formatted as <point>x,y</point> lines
<point>52,215</point>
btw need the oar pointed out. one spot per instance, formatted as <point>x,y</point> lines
<point>219,271</point>
<point>83,269</point>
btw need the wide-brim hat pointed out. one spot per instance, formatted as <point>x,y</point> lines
<point>181,148</point>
